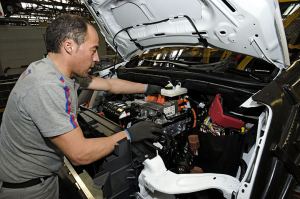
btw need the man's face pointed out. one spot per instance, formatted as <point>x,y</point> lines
<point>86,54</point>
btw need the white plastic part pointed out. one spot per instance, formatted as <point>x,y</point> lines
<point>156,181</point>
<point>250,103</point>
<point>1,11</point>
<point>108,71</point>
<point>158,145</point>
<point>175,91</point>
<point>201,105</point>
<point>124,114</point>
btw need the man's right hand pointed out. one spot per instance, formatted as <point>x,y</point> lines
<point>143,130</point>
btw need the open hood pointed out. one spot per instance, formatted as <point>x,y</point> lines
<point>249,27</point>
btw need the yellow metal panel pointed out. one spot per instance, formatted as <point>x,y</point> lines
<point>297,46</point>
<point>290,18</point>
<point>225,54</point>
<point>244,63</point>
<point>206,56</point>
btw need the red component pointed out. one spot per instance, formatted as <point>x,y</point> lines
<point>218,117</point>
<point>161,99</point>
<point>157,99</point>
<point>151,98</point>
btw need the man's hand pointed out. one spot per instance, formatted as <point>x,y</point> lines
<point>153,89</point>
<point>143,130</point>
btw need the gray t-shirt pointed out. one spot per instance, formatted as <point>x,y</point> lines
<point>42,104</point>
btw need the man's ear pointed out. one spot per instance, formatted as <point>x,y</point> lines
<point>68,46</point>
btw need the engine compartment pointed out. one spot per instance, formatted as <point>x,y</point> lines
<point>200,135</point>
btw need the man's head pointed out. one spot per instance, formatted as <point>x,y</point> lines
<point>65,27</point>
<point>76,40</point>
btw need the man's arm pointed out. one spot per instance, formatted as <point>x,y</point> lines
<point>116,86</point>
<point>80,150</point>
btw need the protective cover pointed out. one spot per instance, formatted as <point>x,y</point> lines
<point>218,116</point>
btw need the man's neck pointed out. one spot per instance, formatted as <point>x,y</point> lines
<point>60,63</point>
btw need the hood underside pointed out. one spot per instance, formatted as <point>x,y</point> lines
<point>249,27</point>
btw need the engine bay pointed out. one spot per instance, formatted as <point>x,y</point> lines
<point>200,135</point>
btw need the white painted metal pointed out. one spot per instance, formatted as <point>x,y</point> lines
<point>248,27</point>
<point>262,132</point>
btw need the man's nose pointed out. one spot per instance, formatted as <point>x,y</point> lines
<point>96,57</point>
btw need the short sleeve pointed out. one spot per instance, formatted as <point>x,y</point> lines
<point>51,108</point>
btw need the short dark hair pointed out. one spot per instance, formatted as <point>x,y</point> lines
<point>65,27</point>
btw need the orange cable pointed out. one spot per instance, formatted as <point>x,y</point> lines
<point>195,118</point>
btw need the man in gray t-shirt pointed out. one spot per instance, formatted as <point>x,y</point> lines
<point>39,124</point>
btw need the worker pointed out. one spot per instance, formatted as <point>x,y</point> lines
<point>39,125</point>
